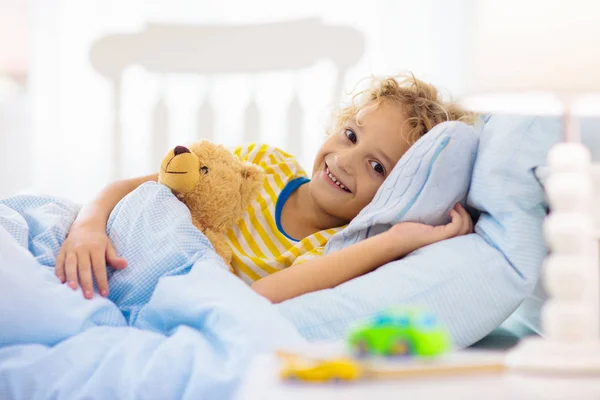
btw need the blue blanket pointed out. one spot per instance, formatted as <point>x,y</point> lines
<point>177,324</point>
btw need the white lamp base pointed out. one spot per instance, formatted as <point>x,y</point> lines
<point>536,354</point>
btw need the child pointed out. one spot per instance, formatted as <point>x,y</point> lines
<point>278,244</point>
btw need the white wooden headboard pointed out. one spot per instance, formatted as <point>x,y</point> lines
<point>215,50</point>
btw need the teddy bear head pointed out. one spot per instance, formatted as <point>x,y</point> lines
<point>212,182</point>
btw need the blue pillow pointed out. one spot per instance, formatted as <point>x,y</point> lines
<point>429,179</point>
<point>474,282</point>
<point>513,214</point>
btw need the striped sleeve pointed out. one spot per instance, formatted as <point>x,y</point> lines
<point>267,156</point>
<point>315,252</point>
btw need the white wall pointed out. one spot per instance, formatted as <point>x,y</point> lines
<point>15,141</point>
<point>70,102</point>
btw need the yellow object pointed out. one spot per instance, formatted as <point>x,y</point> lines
<point>311,369</point>
<point>314,370</point>
<point>259,247</point>
<point>214,184</point>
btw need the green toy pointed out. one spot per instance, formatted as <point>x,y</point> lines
<point>400,331</point>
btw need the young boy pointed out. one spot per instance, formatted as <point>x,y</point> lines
<point>278,244</point>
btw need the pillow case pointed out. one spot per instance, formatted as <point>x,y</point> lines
<point>429,179</point>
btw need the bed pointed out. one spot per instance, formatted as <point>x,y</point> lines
<point>248,62</point>
<point>190,328</point>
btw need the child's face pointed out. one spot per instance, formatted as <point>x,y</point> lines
<point>359,158</point>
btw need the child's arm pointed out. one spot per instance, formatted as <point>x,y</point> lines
<point>330,270</point>
<point>87,247</point>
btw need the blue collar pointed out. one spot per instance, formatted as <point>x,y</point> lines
<point>283,196</point>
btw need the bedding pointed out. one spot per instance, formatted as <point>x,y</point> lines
<point>166,335</point>
<point>178,325</point>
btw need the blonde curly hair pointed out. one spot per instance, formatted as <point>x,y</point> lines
<point>421,102</point>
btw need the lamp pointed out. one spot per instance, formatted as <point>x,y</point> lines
<point>542,57</point>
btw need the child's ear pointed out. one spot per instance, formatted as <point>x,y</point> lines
<point>252,180</point>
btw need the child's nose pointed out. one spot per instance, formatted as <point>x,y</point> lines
<point>344,162</point>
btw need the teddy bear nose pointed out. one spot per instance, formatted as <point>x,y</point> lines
<point>180,150</point>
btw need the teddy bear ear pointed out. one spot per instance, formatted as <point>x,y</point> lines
<point>253,176</point>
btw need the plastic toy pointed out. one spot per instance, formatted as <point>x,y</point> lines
<point>319,370</point>
<point>304,368</point>
<point>400,332</point>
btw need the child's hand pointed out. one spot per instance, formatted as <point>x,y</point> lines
<point>86,249</point>
<point>421,235</point>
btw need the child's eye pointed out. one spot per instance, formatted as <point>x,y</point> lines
<point>350,135</point>
<point>377,167</point>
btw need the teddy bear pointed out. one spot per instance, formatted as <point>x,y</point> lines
<point>215,185</point>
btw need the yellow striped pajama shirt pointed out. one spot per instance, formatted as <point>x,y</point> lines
<point>260,246</point>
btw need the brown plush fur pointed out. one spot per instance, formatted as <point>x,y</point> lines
<point>215,185</point>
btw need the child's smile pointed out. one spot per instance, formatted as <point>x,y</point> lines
<point>335,180</point>
<point>353,162</point>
